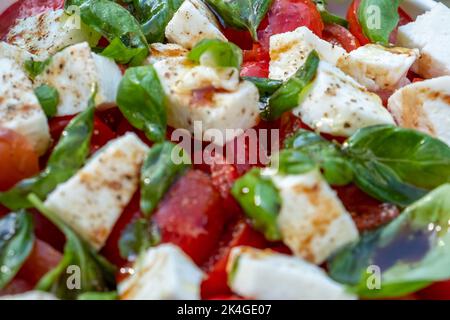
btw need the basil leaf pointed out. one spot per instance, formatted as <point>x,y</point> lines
<point>142,101</point>
<point>397,165</point>
<point>137,237</point>
<point>80,263</point>
<point>378,18</point>
<point>261,202</point>
<point>67,157</point>
<point>159,171</point>
<point>328,17</point>
<point>410,252</point>
<point>113,21</point>
<point>266,88</point>
<point>99,296</point>
<point>16,243</point>
<point>35,68</point>
<point>48,98</point>
<point>154,15</point>
<point>289,95</point>
<point>216,53</point>
<point>242,14</point>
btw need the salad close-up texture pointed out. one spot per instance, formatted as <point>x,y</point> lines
<point>224,150</point>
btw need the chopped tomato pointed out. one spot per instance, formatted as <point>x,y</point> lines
<point>340,36</point>
<point>191,215</point>
<point>17,158</point>
<point>238,234</point>
<point>16,286</point>
<point>226,297</point>
<point>436,291</point>
<point>259,69</point>
<point>46,231</point>
<point>24,9</point>
<point>41,260</point>
<point>125,126</point>
<point>111,117</point>
<point>242,38</point>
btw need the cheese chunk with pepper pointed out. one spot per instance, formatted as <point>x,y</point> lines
<point>266,275</point>
<point>164,272</point>
<point>93,199</point>
<point>430,33</point>
<point>192,23</point>
<point>19,108</point>
<point>162,51</point>
<point>338,105</point>
<point>73,71</point>
<point>289,51</point>
<point>377,67</point>
<point>208,100</point>
<point>15,53</point>
<point>424,106</point>
<point>47,33</point>
<point>313,222</point>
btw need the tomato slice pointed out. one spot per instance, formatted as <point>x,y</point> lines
<point>191,215</point>
<point>241,38</point>
<point>17,158</point>
<point>340,36</point>
<point>238,234</point>
<point>436,291</point>
<point>16,286</point>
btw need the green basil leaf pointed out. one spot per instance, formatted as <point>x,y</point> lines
<point>141,99</point>
<point>48,98</point>
<point>242,14</point>
<point>99,296</point>
<point>67,157</point>
<point>216,53</point>
<point>410,252</point>
<point>154,15</point>
<point>35,68</point>
<point>289,95</point>
<point>261,202</point>
<point>16,243</point>
<point>159,170</point>
<point>328,17</point>
<point>378,18</point>
<point>137,237</point>
<point>81,266</point>
<point>397,165</point>
<point>266,88</point>
<point>113,21</point>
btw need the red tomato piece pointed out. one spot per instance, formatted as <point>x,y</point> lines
<point>436,291</point>
<point>17,158</point>
<point>24,9</point>
<point>16,286</point>
<point>41,260</point>
<point>46,231</point>
<point>191,215</point>
<point>255,69</point>
<point>238,234</point>
<point>241,38</point>
<point>339,35</point>
<point>226,297</point>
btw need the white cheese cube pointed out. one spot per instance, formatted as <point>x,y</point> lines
<point>30,295</point>
<point>431,34</point>
<point>377,67</point>
<point>72,72</point>
<point>19,55</point>
<point>192,23</point>
<point>162,51</point>
<point>424,106</point>
<point>164,272</point>
<point>19,108</point>
<point>47,33</point>
<point>313,222</point>
<point>289,51</point>
<point>93,199</point>
<point>266,275</point>
<point>228,103</point>
<point>338,105</point>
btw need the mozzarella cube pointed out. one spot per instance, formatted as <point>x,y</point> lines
<point>289,51</point>
<point>30,295</point>
<point>19,108</point>
<point>424,106</point>
<point>93,199</point>
<point>208,100</point>
<point>313,222</point>
<point>19,55</point>
<point>73,71</point>
<point>164,272</point>
<point>266,275</point>
<point>47,33</point>
<point>192,23</point>
<point>338,105</point>
<point>162,51</point>
<point>377,67</point>
<point>431,34</point>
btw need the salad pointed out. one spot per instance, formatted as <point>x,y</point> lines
<point>211,149</point>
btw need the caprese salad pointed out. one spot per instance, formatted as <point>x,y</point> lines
<point>131,135</point>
